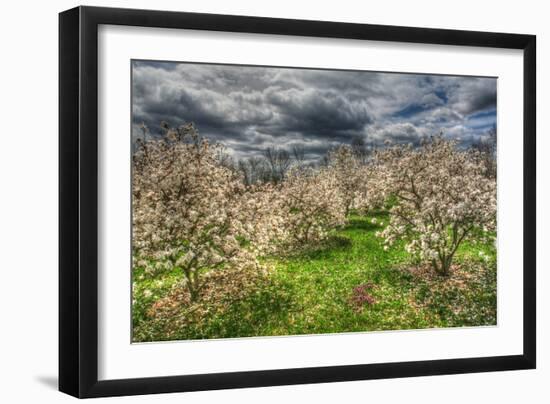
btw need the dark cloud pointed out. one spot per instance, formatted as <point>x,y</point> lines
<point>250,108</point>
<point>315,112</point>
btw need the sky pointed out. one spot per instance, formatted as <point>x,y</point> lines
<point>250,108</point>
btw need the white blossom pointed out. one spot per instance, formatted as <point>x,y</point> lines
<point>440,197</point>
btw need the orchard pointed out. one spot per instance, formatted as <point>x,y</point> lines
<point>394,238</point>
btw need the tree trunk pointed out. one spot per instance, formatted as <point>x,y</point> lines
<point>443,266</point>
<point>191,284</point>
<point>193,292</point>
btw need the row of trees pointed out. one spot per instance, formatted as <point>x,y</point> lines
<point>274,163</point>
<point>193,211</point>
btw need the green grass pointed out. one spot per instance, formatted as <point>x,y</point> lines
<point>310,292</point>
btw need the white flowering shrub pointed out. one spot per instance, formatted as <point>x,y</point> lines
<point>441,198</point>
<point>190,211</point>
<point>311,204</point>
<point>262,212</point>
<point>351,177</point>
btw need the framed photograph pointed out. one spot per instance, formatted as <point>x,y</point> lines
<point>251,201</point>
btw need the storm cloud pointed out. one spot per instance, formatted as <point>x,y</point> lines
<point>249,108</point>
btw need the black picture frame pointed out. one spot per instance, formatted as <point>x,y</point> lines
<point>78,201</point>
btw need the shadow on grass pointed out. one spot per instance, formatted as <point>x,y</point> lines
<point>333,244</point>
<point>361,224</point>
<point>393,275</point>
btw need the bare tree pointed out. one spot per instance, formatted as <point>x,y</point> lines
<point>324,161</point>
<point>299,153</point>
<point>225,159</point>
<point>254,170</point>
<point>279,162</point>
<point>360,149</point>
<point>487,149</point>
<point>244,169</point>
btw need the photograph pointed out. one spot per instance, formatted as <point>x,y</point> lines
<point>281,201</point>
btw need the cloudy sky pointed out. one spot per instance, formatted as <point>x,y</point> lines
<point>251,108</point>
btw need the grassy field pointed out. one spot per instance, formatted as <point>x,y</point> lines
<point>348,283</point>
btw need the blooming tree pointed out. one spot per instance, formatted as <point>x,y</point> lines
<point>311,204</point>
<point>263,216</point>
<point>188,208</point>
<point>441,198</point>
<point>351,177</point>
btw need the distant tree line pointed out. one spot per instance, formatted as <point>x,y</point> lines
<point>275,162</point>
